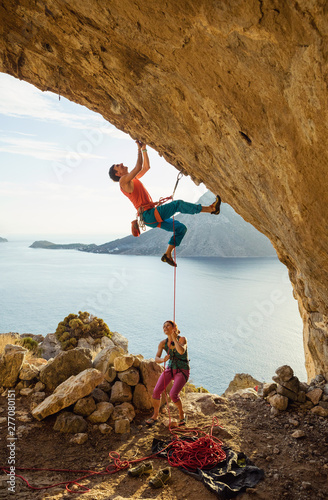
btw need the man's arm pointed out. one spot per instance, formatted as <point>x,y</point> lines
<point>146,162</point>
<point>142,166</point>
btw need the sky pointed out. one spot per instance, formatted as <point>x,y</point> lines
<point>54,161</point>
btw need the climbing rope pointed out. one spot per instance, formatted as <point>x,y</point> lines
<point>200,451</point>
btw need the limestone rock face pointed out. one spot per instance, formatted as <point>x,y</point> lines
<point>234,95</point>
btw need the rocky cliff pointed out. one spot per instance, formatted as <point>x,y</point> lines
<point>233,93</point>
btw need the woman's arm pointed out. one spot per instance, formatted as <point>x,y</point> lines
<point>180,344</point>
<point>158,358</point>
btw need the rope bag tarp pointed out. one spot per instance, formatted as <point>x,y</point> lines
<point>227,479</point>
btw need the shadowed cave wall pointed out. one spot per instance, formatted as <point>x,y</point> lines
<point>234,93</point>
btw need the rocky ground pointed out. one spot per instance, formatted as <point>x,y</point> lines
<point>295,468</point>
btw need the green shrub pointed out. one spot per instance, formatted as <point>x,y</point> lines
<point>190,387</point>
<point>30,344</point>
<point>83,325</point>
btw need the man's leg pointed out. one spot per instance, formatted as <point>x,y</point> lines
<point>167,210</point>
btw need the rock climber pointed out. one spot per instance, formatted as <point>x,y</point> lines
<point>152,215</point>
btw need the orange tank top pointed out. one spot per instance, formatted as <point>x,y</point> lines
<point>139,196</point>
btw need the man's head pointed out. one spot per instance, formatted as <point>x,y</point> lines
<point>116,171</point>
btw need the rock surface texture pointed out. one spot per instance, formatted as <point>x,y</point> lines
<point>234,94</point>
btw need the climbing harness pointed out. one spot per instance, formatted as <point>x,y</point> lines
<point>154,205</point>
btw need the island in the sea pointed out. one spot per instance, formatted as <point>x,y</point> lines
<point>226,235</point>
<point>3,240</point>
<point>61,246</point>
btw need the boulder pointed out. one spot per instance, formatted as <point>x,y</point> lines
<point>121,393</point>
<point>301,397</point>
<point>125,410</point>
<point>130,376</point>
<point>120,341</point>
<point>292,384</point>
<point>284,373</point>
<point>79,438</point>
<point>279,402</point>
<point>105,429</point>
<point>319,410</point>
<point>85,406</point>
<point>241,381</point>
<point>70,423</point>
<point>104,361</point>
<point>123,363</point>
<point>247,393</point>
<point>122,426</point>
<point>141,398</point>
<point>102,413</point>
<point>315,395</point>
<point>105,386</point>
<point>67,393</point>
<point>27,391</point>
<point>28,372</point>
<point>268,388</point>
<point>63,366</point>
<point>37,397</point>
<point>287,393</point>
<point>298,434</point>
<point>93,345</point>
<point>137,360</point>
<point>50,347</point>
<point>39,386</point>
<point>150,372</point>
<point>11,363</point>
<point>99,396</point>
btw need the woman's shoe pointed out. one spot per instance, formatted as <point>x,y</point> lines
<point>161,478</point>
<point>145,468</point>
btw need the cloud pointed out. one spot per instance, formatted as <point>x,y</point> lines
<point>41,150</point>
<point>21,100</point>
<point>51,192</point>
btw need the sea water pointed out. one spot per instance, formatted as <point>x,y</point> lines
<point>239,315</point>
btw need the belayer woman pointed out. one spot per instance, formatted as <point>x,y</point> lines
<point>177,369</point>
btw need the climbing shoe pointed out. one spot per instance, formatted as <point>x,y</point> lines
<point>145,468</point>
<point>166,258</point>
<point>216,205</point>
<point>161,478</point>
<point>182,422</point>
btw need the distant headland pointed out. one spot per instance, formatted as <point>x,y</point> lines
<point>68,246</point>
<point>228,235</point>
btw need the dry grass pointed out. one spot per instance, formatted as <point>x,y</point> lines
<point>12,338</point>
<point>6,338</point>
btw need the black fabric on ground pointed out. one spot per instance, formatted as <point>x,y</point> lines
<point>228,478</point>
